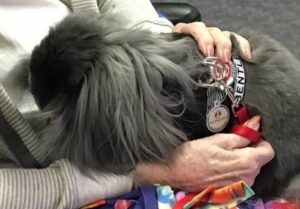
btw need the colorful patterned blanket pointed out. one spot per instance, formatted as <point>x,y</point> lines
<point>234,196</point>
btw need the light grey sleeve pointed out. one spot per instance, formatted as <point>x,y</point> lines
<point>59,186</point>
<point>135,13</point>
<point>131,13</point>
<point>53,187</point>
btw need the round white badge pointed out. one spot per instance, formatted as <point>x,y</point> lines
<point>217,118</point>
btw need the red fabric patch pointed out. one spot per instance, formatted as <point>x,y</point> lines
<point>246,132</point>
<point>122,204</point>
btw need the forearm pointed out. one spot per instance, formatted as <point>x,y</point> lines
<point>59,186</point>
<point>135,14</point>
<point>154,173</point>
<point>34,189</point>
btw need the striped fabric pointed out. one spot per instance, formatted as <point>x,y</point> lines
<point>50,188</point>
<point>21,126</point>
<point>38,189</point>
<point>10,112</point>
<point>86,6</point>
<point>59,186</point>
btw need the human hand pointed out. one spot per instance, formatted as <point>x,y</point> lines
<point>219,159</point>
<point>212,41</point>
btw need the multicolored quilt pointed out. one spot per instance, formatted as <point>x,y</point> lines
<point>234,196</point>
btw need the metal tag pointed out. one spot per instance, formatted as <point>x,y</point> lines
<point>217,118</point>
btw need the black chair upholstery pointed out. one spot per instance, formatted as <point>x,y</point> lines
<point>178,12</point>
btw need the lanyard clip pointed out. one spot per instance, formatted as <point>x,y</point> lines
<point>220,78</point>
<point>219,72</point>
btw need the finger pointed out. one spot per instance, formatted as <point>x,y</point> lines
<point>264,152</point>
<point>233,141</point>
<point>222,44</point>
<point>244,44</point>
<point>256,156</point>
<point>200,33</point>
<point>240,141</point>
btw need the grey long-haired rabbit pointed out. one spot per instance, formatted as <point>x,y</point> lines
<point>118,97</point>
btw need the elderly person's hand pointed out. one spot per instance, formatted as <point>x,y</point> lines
<point>219,159</point>
<point>213,41</point>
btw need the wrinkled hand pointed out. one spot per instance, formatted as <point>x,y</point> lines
<point>213,41</point>
<point>219,159</point>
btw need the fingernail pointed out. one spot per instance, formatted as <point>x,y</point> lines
<point>254,123</point>
<point>226,55</point>
<point>209,50</point>
<point>248,54</point>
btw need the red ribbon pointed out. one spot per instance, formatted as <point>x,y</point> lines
<point>242,114</point>
<point>242,130</point>
<point>246,132</point>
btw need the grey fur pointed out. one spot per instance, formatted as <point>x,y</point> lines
<point>119,106</point>
<point>118,97</point>
<point>273,88</point>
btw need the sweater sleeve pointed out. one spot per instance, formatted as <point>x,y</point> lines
<point>53,187</point>
<point>135,14</point>
<point>59,186</point>
<point>131,13</point>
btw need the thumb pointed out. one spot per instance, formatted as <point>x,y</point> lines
<point>239,141</point>
<point>233,141</point>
